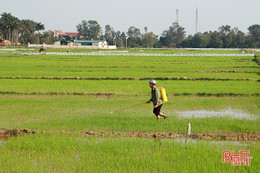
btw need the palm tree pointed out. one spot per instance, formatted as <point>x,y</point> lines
<point>14,27</point>
<point>28,31</point>
<point>9,26</point>
<point>5,25</point>
<point>46,37</point>
<point>39,26</point>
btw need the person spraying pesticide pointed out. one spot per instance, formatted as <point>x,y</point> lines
<point>157,100</point>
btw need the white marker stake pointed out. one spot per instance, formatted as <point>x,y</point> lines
<point>189,128</point>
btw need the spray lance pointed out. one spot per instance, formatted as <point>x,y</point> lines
<point>127,108</point>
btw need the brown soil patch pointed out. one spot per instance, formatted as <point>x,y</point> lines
<point>209,136</point>
<point>214,94</point>
<point>3,138</point>
<point>55,93</point>
<point>128,78</point>
<point>198,71</point>
<point>228,137</point>
<point>15,132</point>
<point>240,66</point>
<point>159,135</point>
<point>113,94</point>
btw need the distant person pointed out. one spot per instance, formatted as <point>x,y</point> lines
<point>42,49</point>
<point>157,100</point>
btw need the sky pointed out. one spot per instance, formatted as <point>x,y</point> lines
<point>156,15</point>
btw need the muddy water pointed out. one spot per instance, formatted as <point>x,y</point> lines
<point>224,143</point>
<point>183,141</point>
<point>238,114</point>
<point>3,139</point>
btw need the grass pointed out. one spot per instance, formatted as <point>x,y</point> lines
<point>31,107</point>
<point>129,66</point>
<point>68,153</point>
<point>49,113</point>
<point>127,87</point>
<point>79,113</point>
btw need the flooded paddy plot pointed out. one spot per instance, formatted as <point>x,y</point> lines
<point>229,112</point>
<point>91,113</point>
<point>184,140</point>
<point>67,98</point>
<point>3,139</point>
<point>71,153</point>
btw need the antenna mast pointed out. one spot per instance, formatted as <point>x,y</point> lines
<point>177,16</point>
<point>197,20</point>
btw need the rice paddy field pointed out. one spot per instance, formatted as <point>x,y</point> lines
<point>68,100</point>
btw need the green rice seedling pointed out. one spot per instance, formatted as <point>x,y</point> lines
<point>75,94</point>
<point>126,87</point>
<point>69,153</point>
<point>126,66</point>
<point>84,113</point>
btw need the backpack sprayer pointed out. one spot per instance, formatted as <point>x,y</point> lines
<point>163,94</point>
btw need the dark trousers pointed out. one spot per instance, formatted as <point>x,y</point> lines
<point>157,110</point>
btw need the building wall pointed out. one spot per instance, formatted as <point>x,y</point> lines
<point>55,33</point>
<point>71,46</point>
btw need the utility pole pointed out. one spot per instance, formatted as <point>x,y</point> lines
<point>126,41</point>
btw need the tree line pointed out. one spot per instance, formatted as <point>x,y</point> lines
<point>25,31</point>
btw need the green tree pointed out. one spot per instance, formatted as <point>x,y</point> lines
<point>114,35</point>
<point>28,31</point>
<point>254,30</point>
<point>89,30</point>
<point>173,36</point>
<point>45,38</point>
<point>119,40</point>
<point>254,35</point>
<point>14,26</point>
<point>39,27</point>
<point>9,25</point>
<point>238,38</point>
<point>16,30</point>
<point>207,36</point>
<point>83,29</point>
<point>187,41</point>
<point>149,39</point>
<point>5,25</point>
<point>94,29</point>
<point>134,37</point>
<point>215,40</point>
<point>108,34</point>
<point>198,41</point>
<point>123,37</point>
<point>226,35</point>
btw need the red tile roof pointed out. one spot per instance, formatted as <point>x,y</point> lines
<point>60,32</point>
<point>72,34</point>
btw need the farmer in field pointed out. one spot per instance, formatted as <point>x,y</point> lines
<point>157,100</point>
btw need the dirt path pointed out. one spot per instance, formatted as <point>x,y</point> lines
<point>113,94</point>
<point>171,135</point>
